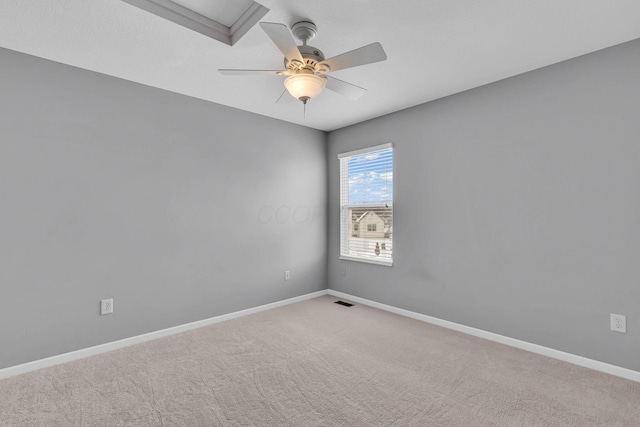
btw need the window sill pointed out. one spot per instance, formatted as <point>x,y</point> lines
<point>385,263</point>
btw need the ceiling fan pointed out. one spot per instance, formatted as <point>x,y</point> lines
<point>306,67</point>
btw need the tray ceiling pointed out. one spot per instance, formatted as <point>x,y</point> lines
<point>226,21</point>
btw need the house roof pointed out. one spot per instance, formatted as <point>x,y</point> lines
<point>361,216</point>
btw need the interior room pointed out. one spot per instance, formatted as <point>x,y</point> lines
<point>179,212</point>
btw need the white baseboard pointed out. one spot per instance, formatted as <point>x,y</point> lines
<point>534,348</point>
<point>103,348</point>
<point>523,345</point>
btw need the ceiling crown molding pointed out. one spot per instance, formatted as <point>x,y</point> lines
<point>206,25</point>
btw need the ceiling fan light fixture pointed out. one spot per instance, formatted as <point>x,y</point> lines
<point>306,65</point>
<point>304,87</point>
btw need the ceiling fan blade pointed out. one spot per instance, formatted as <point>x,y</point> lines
<point>349,90</point>
<point>281,36</point>
<point>232,72</point>
<point>354,58</point>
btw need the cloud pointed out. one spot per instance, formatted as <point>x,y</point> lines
<point>369,156</point>
<point>369,182</point>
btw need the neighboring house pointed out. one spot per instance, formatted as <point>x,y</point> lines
<point>371,229</point>
<point>368,225</point>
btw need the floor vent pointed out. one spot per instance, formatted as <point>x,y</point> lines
<point>346,304</point>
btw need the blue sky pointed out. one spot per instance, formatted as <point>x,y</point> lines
<point>371,177</point>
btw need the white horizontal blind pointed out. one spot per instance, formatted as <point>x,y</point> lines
<point>366,205</point>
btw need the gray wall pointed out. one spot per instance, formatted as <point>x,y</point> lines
<point>517,207</point>
<point>177,208</point>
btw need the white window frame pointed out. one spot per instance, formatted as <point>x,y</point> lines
<point>345,228</point>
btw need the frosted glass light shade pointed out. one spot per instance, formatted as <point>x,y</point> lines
<point>304,86</point>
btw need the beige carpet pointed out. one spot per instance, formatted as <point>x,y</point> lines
<point>317,363</point>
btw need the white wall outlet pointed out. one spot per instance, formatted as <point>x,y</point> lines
<point>106,306</point>
<point>618,323</point>
<point>287,275</point>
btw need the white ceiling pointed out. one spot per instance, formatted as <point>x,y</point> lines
<point>228,9</point>
<point>434,47</point>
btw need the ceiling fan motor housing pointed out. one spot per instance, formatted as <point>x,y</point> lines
<point>312,57</point>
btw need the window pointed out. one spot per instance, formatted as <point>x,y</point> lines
<point>366,200</point>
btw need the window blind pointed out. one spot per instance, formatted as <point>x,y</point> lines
<point>366,205</point>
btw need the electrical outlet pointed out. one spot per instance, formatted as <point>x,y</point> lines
<point>343,270</point>
<point>618,323</point>
<point>106,306</point>
<point>287,275</point>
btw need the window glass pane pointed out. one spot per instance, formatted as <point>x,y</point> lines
<point>370,177</point>
<point>366,205</point>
